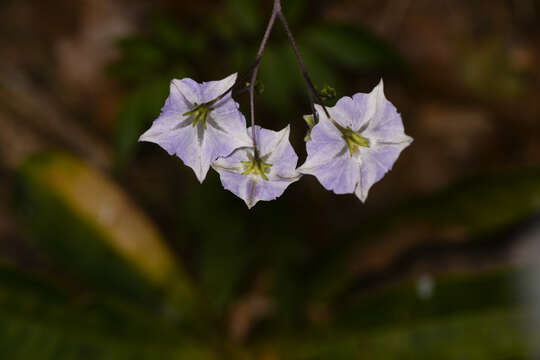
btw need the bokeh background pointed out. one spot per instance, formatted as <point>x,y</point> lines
<point>110,249</point>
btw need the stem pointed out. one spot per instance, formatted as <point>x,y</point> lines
<point>309,84</point>
<point>240,91</point>
<point>275,11</point>
<point>312,92</point>
<point>238,81</point>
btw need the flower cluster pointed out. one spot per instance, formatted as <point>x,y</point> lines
<point>350,146</point>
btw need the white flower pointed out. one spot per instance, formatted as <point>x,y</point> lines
<point>265,178</point>
<point>359,144</point>
<point>198,132</point>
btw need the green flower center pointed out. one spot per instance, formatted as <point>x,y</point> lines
<point>256,167</point>
<point>354,140</point>
<point>199,114</point>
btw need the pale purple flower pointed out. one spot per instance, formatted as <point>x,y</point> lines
<point>197,133</point>
<point>265,178</point>
<point>358,146</point>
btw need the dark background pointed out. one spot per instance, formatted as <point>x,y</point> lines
<point>111,249</point>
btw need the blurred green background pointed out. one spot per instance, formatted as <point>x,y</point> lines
<point>111,249</point>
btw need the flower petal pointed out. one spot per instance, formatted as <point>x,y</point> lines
<point>176,102</point>
<point>230,127</point>
<point>325,144</point>
<point>365,106</point>
<point>189,89</point>
<point>376,162</point>
<point>183,142</point>
<point>385,124</point>
<point>275,150</point>
<point>339,174</point>
<point>166,130</point>
<point>240,185</point>
<point>343,112</point>
<point>189,150</point>
<point>213,89</point>
<point>267,190</point>
<point>172,114</point>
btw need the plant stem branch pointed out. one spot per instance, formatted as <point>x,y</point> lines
<point>275,11</point>
<point>312,92</point>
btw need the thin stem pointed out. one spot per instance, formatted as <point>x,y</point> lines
<point>240,91</point>
<point>276,9</point>
<point>309,84</point>
<point>312,92</point>
<point>238,81</point>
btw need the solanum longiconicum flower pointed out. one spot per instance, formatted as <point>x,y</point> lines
<point>357,145</point>
<point>263,176</point>
<point>195,127</point>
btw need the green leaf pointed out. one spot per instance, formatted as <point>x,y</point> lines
<point>141,107</point>
<point>484,204</point>
<point>351,47</point>
<point>322,72</point>
<point>246,15</point>
<point>88,226</point>
<point>280,86</point>
<point>226,249</point>
<point>465,316</point>
<point>140,58</point>
<point>295,10</point>
<point>173,38</point>
<point>450,294</point>
<point>479,208</point>
<point>488,335</point>
<point>158,53</point>
<point>41,322</point>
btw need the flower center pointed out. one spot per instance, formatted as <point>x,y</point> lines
<point>256,167</point>
<point>199,114</point>
<point>354,140</point>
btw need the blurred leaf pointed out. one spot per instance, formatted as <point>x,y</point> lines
<point>241,57</point>
<point>484,204</point>
<point>159,53</point>
<point>40,322</point>
<point>226,254</point>
<point>460,318</point>
<point>246,15</point>
<point>351,47</point>
<point>321,71</point>
<point>172,38</point>
<point>280,86</point>
<point>141,58</point>
<point>449,294</point>
<point>475,209</point>
<point>226,249</point>
<point>295,10</point>
<point>141,107</point>
<point>489,335</point>
<point>142,50</point>
<point>486,70</point>
<point>90,227</point>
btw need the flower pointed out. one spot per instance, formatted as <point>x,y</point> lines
<point>359,144</point>
<point>263,178</point>
<point>196,127</point>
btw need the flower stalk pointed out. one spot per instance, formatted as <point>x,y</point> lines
<point>350,146</point>
<point>275,11</point>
